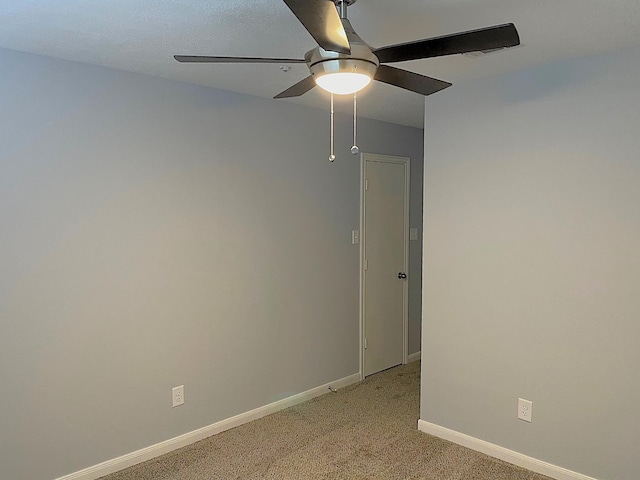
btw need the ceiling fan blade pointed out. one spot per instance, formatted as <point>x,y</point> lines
<point>298,89</point>
<point>321,19</point>
<point>409,80</point>
<point>207,59</point>
<point>490,38</point>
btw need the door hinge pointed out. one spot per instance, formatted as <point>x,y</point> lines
<point>366,185</point>
<point>365,343</point>
<point>366,265</point>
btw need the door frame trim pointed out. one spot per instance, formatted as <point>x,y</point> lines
<point>374,157</point>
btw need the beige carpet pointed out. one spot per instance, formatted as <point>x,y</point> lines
<point>366,431</point>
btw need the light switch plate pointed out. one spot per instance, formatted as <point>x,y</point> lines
<point>413,234</point>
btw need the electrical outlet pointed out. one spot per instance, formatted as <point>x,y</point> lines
<point>525,410</point>
<point>178,395</point>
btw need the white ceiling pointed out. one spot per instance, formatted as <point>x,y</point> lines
<point>143,35</point>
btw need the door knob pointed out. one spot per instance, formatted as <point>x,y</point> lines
<point>402,275</point>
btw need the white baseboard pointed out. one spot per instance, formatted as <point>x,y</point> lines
<point>501,453</point>
<point>414,357</point>
<point>153,451</point>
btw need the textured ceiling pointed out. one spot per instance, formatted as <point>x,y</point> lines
<point>142,35</point>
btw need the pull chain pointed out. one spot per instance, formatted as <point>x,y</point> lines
<point>332,157</point>
<point>355,149</point>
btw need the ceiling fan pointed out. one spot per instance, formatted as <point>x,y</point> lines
<point>343,63</point>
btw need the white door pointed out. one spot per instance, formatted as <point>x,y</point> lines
<point>385,253</point>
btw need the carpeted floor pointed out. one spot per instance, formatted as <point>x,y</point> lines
<point>366,431</point>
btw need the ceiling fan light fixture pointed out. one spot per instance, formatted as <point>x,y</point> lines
<point>343,83</point>
<point>343,76</point>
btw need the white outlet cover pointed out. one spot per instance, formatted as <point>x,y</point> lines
<point>525,410</point>
<point>177,393</point>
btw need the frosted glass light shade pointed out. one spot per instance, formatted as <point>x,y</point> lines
<point>343,83</point>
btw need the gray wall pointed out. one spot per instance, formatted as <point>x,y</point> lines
<point>532,265</point>
<point>155,233</point>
